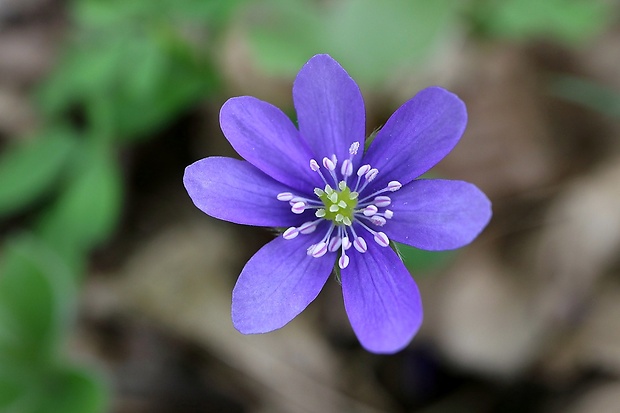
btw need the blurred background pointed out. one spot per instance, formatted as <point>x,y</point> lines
<point>115,289</point>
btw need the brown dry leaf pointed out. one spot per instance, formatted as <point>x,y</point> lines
<point>183,280</point>
<point>506,147</point>
<point>604,398</point>
<point>599,334</point>
<point>482,317</point>
<point>581,239</point>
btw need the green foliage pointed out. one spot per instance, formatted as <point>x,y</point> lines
<point>30,168</point>
<point>370,38</point>
<point>86,211</point>
<point>570,21</point>
<point>37,298</point>
<point>420,261</point>
<point>151,62</point>
<point>587,93</point>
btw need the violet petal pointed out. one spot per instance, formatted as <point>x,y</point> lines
<point>381,299</point>
<point>264,136</point>
<point>417,136</point>
<point>437,214</point>
<point>330,108</point>
<point>236,191</point>
<point>278,283</point>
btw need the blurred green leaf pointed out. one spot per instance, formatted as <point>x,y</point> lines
<point>30,169</point>
<point>372,39</point>
<point>151,63</point>
<point>36,296</point>
<point>86,212</point>
<point>58,388</point>
<point>567,20</point>
<point>285,33</point>
<point>420,261</point>
<point>70,390</point>
<point>588,93</point>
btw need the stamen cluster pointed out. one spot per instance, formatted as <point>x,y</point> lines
<point>343,204</point>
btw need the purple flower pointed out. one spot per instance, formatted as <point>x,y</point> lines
<point>337,204</point>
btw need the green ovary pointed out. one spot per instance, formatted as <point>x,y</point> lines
<point>339,204</point>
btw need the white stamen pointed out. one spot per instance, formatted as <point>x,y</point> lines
<point>394,186</point>
<point>343,261</point>
<point>284,196</point>
<point>290,233</point>
<point>310,249</point>
<point>347,168</point>
<point>370,210</point>
<point>329,164</point>
<point>298,207</point>
<point>382,201</point>
<point>354,148</point>
<point>363,170</point>
<point>314,165</point>
<point>334,244</point>
<point>360,244</point>
<point>296,199</point>
<point>346,243</point>
<point>378,220</point>
<point>372,174</point>
<point>307,227</point>
<point>382,239</point>
<point>319,250</point>
<point>388,214</point>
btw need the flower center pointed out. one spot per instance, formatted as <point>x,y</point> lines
<point>348,211</point>
<point>339,203</point>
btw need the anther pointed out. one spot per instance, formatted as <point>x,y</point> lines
<point>394,186</point>
<point>354,148</point>
<point>347,168</point>
<point>343,261</point>
<point>388,214</point>
<point>284,196</point>
<point>360,244</point>
<point>319,249</point>
<point>298,207</point>
<point>370,210</point>
<point>334,244</point>
<point>329,164</point>
<point>290,233</point>
<point>382,239</point>
<point>346,243</point>
<point>314,165</point>
<point>378,220</point>
<point>307,227</point>
<point>363,170</point>
<point>382,201</point>
<point>371,174</point>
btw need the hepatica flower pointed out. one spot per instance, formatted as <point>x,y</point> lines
<point>336,204</point>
